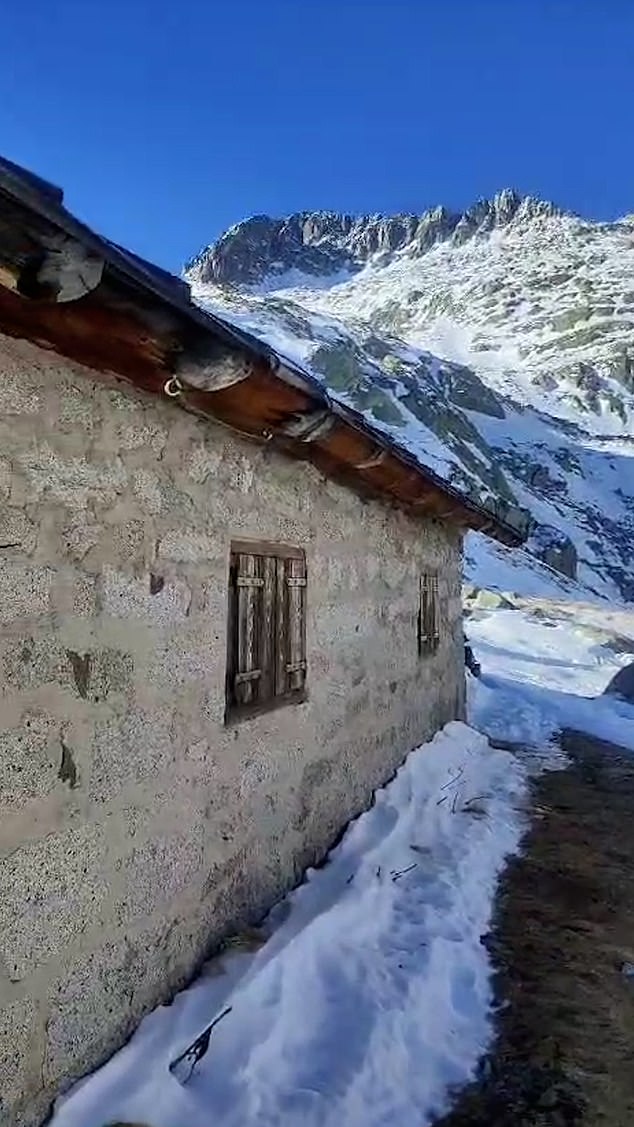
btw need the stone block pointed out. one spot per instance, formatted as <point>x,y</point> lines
<point>24,591</point>
<point>203,463</point>
<point>74,597</point>
<point>19,397</point>
<point>190,546</point>
<point>175,500</point>
<point>159,869</point>
<point>95,1009</point>
<point>31,661</point>
<point>50,892</point>
<point>19,1058</point>
<point>147,488</point>
<point>74,481</point>
<point>125,542</point>
<point>80,535</point>
<point>6,474</point>
<point>91,1011</point>
<point>30,757</point>
<point>111,673</point>
<point>142,436</point>
<point>84,595</point>
<point>77,409</point>
<point>152,597</point>
<point>130,749</point>
<point>18,534</point>
<point>189,657</point>
<point>124,402</point>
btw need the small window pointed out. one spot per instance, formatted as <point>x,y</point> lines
<point>266,635</point>
<point>428,615</point>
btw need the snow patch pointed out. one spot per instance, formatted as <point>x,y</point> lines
<point>371,999</point>
<point>546,669</point>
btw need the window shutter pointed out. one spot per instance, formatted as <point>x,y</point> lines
<point>423,636</point>
<point>266,635</point>
<point>281,628</point>
<point>428,615</point>
<point>443,603</point>
<point>434,611</point>
<point>296,602</point>
<point>266,685</point>
<point>249,591</point>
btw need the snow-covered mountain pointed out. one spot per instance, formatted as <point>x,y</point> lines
<point>500,341</point>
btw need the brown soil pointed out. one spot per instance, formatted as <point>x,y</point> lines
<point>564,926</point>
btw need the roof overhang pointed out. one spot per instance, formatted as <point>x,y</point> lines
<point>65,288</point>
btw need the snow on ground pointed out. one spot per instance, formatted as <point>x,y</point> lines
<point>493,566</point>
<point>371,998</point>
<point>545,667</point>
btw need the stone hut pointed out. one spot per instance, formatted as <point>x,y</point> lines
<point>229,607</point>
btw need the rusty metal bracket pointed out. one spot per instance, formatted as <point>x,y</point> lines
<point>375,459</point>
<point>308,426</point>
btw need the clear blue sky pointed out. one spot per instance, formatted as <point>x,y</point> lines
<point>167,120</point>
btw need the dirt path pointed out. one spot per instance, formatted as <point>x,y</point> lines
<point>564,1052</point>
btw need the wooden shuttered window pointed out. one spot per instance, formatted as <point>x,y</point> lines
<point>266,637</point>
<point>428,615</point>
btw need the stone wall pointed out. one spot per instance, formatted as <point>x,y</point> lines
<point>135,829</point>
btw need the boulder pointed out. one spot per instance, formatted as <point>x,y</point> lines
<point>555,548</point>
<point>622,684</point>
<point>482,599</point>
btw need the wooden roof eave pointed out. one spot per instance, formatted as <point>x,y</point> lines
<point>342,451</point>
<point>131,322</point>
<point>258,405</point>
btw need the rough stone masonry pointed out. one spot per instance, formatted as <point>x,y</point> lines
<point>136,830</point>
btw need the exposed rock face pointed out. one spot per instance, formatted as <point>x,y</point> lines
<point>622,684</point>
<point>555,549</point>
<point>497,344</point>
<point>326,242</point>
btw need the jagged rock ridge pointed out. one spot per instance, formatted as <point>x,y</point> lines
<point>496,345</point>
<point>326,242</point>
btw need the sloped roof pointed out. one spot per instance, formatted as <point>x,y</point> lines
<point>93,301</point>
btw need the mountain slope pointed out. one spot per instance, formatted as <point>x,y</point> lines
<point>495,344</point>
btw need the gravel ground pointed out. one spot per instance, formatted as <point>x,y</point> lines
<point>564,927</point>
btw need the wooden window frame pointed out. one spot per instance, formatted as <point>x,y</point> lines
<point>429,624</point>
<point>266,628</point>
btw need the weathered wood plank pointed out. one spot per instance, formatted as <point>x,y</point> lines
<point>423,635</point>
<point>296,586</point>
<point>435,608</point>
<point>246,630</point>
<point>232,641</point>
<point>429,614</point>
<point>242,678</point>
<point>281,628</point>
<point>267,548</point>
<point>268,636</point>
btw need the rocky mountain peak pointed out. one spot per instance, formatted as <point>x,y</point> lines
<point>497,340</point>
<point>327,242</point>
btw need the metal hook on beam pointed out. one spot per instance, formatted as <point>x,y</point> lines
<point>173,387</point>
